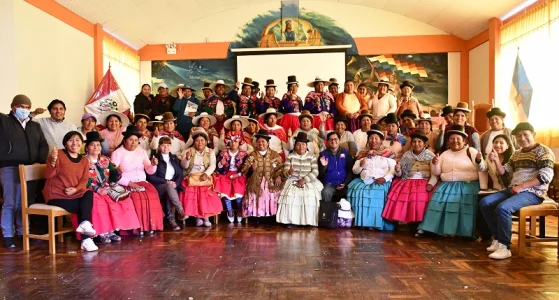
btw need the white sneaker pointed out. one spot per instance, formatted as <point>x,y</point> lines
<point>494,246</point>
<point>501,253</point>
<point>86,228</point>
<point>89,245</point>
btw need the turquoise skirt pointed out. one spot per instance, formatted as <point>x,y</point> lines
<point>452,209</point>
<point>367,202</point>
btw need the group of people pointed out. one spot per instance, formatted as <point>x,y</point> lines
<point>380,157</point>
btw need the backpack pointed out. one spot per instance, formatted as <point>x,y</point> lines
<point>328,214</point>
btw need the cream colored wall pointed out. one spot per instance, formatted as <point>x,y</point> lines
<point>8,82</point>
<point>453,78</point>
<point>479,74</point>
<point>145,75</point>
<point>53,61</point>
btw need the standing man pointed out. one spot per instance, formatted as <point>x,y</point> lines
<point>531,171</point>
<point>21,142</point>
<point>382,102</point>
<point>186,107</point>
<point>334,167</point>
<point>163,102</point>
<point>56,126</point>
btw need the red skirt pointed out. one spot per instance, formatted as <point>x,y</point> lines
<point>230,188</point>
<point>289,121</point>
<point>148,207</point>
<point>329,125</point>
<point>407,200</point>
<point>108,215</point>
<point>200,201</point>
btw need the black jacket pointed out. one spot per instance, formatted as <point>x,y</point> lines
<point>21,146</point>
<point>143,103</point>
<point>159,176</point>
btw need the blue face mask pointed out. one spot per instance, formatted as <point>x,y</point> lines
<point>21,113</point>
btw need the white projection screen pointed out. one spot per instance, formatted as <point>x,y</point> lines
<point>306,66</point>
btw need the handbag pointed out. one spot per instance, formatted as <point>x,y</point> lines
<point>328,214</point>
<point>194,179</point>
<point>117,192</point>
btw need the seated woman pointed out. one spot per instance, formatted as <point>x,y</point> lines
<point>453,206</point>
<point>278,136</point>
<point>235,126</point>
<point>141,120</point>
<point>347,141</point>
<point>320,104</point>
<point>177,141</point>
<point>206,122</point>
<point>230,182</point>
<point>108,214</point>
<point>300,197</point>
<point>394,140</point>
<point>316,144</point>
<point>408,197</point>
<point>367,193</point>
<point>199,199</point>
<point>263,169</point>
<point>133,164</point>
<point>349,104</point>
<point>66,177</point>
<point>360,136</point>
<point>115,123</point>
<point>167,181</point>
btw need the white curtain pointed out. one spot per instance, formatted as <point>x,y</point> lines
<point>125,67</point>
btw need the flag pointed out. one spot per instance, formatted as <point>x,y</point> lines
<point>107,96</point>
<point>520,93</point>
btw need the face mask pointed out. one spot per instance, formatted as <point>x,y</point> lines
<point>21,113</point>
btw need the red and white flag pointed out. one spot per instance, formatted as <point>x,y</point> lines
<point>107,96</point>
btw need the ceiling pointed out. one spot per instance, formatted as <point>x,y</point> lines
<point>141,22</point>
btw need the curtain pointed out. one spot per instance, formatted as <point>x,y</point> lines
<point>534,36</point>
<point>125,67</point>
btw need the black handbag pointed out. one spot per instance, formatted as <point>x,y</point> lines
<point>328,215</point>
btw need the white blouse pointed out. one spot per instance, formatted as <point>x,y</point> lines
<point>375,167</point>
<point>360,138</point>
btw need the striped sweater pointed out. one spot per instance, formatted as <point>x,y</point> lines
<point>304,166</point>
<point>525,166</point>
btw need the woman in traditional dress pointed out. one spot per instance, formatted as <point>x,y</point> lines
<point>453,206</point>
<point>235,126</point>
<point>349,104</point>
<point>178,146</point>
<point>245,100</point>
<point>199,199</point>
<point>221,105</point>
<point>408,197</point>
<point>301,194</point>
<point>206,122</point>
<point>367,194</point>
<point>269,100</point>
<point>360,135</point>
<point>115,123</point>
<point>141,120</point>
<point>263,168</point>
<point>460,117</point>
<point>108,214</point>
<point>278,141</point>
<point>230,182</point>
<point>250,130</point>
<point>291,105</point>
<point>320,104</point>
<point>407,100</point>
<point>315,144</point>
<point>393,140</point>
<point>133,164</point>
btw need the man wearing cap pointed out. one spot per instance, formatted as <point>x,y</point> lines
<point>496,120</point>
<point>56,126</point>
<point>382,102</point>
<point>334,167</point>
<point>21,142</point>
<point>186,107</point>
<point>163,102</point>
<point>89,123</point>
<point>220,105</point>
<point>407,100</point>
<point>530,170</point>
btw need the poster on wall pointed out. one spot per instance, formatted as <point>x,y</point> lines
<point>193,72</point>
<point>428,72</point>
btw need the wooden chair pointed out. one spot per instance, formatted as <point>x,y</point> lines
<point>549,207</point>
<point>481,123</point>
<point>36,172</point>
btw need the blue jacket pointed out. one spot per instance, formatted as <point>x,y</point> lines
<point>338,169</point>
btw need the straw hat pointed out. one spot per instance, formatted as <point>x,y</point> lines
<point>106,114</point>
<point>213,85</point>
<point>318,79</point>
<point>462,106</point>
<point>196,119</point>
<point>345,209</point>
<point>228,122</point>
<point>269,111</point>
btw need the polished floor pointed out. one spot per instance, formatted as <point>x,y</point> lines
<point>272,262</point>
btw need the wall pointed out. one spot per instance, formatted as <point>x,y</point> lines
<point>8,82</point>
<point>63,66</point>
<point>479,74</point>
<point>454,75</point>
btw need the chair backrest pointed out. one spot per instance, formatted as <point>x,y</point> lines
<point>553,191</point>
<point>29,173</point>
<point>481,123</point>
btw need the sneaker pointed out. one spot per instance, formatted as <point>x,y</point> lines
<point>9,242</point>
<point>114,237</point>
<point>207,223</point>
<point>86,228</point>
<point>104,239</point>
<point>174,226</point>
<point>89,245</point>
<point>494,246</point>
<point>501,253</point>
<point>199,222</point>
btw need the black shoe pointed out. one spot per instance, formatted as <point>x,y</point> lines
<point>9,242</point>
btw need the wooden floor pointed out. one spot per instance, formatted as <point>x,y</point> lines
<point>272,262</point>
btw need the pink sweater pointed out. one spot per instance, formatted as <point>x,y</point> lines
<point>135,164</point>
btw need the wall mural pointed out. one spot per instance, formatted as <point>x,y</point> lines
<point>292,26</point>
<point>193,72</point>
<point>429,73</point>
